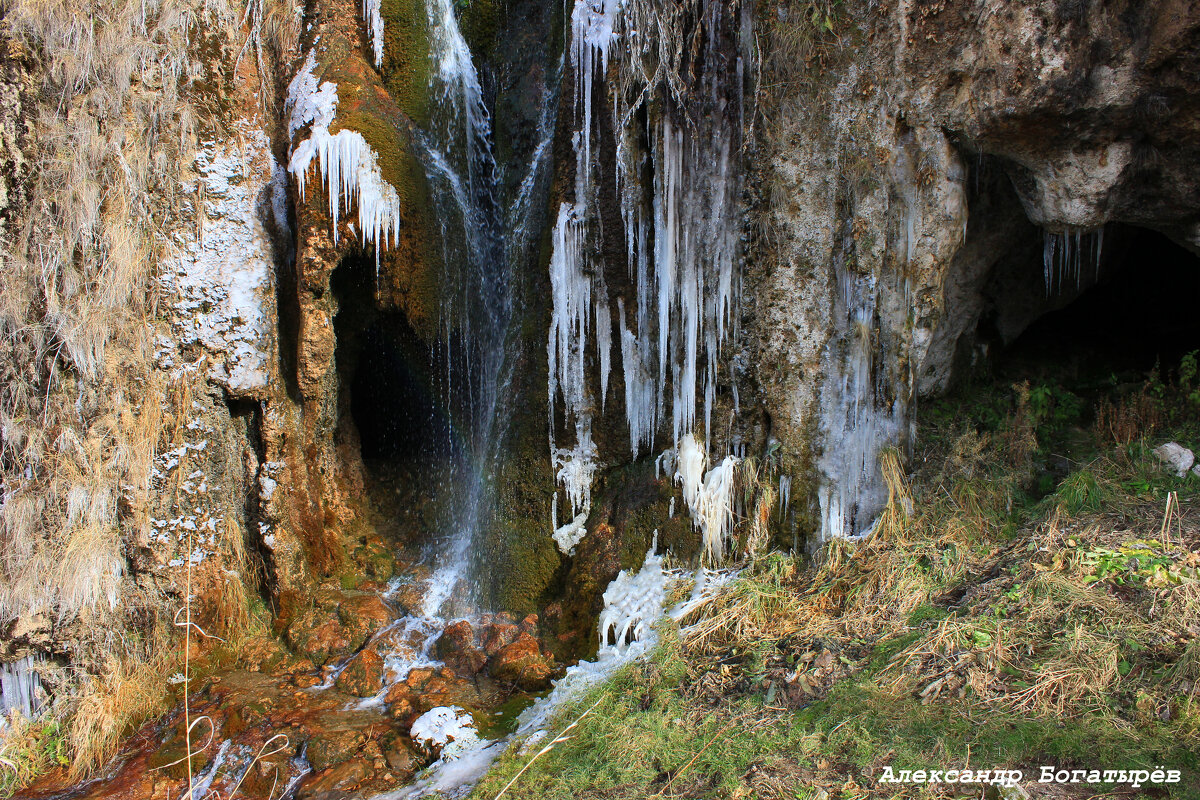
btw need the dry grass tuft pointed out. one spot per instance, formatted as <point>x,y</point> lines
<point>118,98</point>
<point>129,691</point>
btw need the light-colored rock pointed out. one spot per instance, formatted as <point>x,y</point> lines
<point>1176,456</point>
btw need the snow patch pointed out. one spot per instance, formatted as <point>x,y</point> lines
<point>449,729</point>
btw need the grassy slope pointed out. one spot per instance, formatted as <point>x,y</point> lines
<point>992,626</point>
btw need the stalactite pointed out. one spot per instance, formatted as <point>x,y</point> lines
<point>1065,256</point>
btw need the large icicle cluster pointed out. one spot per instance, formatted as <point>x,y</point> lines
<point>862,420</point>
<point>20,688</point>
<point>681,242</point>
<point>632,603</point>
<point>709,495</point>
<point>349,166</point>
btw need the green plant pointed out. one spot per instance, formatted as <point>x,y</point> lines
<point>1139,562</point>
<point>1187,376</point>
<point>822,14</point>
<point>28,749</point>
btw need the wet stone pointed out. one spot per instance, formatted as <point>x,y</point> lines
<point>522,663</point>
<point>363,676</point>
<point>328,748</point>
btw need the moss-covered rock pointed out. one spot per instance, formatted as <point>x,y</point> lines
<point>406,56</point>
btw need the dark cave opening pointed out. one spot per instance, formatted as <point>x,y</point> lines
<point>1139,313</point>
<point>391,404</point>
<point>387,380</point>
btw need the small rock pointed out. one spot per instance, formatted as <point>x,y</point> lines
<point>456,647</point>
<point>329,748</point>
<point>1014,792</point>
<point>417,676</point>
<point>498,636</point>
<point>364,613</point>
<point>335,782</point>
<point>363,676</point>
<point>305,680</point>
<point>401,701</point>
<point>410,598</point>
<point>402,758</point>
<point>451,690</point>
<point>1176,456</point>
<point>521,663</point>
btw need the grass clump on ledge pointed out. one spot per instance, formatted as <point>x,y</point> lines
<point>985,623</point>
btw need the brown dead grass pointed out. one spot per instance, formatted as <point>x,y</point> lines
<point>1025,626</point>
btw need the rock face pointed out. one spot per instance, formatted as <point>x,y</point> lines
<point>1176,456</point>
<point>917,178</point>
<point>776,235</point>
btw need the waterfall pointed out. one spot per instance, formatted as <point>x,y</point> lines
<point>476,304</point>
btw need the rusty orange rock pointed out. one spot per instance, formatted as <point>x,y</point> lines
<point>363,676</point>
<point>522,663</point>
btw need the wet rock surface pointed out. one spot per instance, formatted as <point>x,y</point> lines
<point>334,718</point>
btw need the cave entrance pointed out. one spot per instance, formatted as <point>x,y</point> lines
<point>391,404</point>
<point>1125,304</point>
<point>1086,350</point>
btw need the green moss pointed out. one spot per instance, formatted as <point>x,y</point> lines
<point>406,56</point>
<point>479,21</point>
<point>397,164</point>
<point>519,560</point>
<point>30,750</point>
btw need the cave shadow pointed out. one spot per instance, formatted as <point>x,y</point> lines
<point>394,412</point>
<point>1140,312</point>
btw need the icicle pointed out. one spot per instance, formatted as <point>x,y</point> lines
<point>350,168</point>
<point>709,498</point>
<point>348,165</point>
<point>20,686</point>
<point>571,534</point>
<point>633,602</point>
<point>571,295</point>
<point>681,244</point>
<point>690,471</point>
<point>858,424</point>
<point>716,512</point>
<point>577,468</point>
<point>604,345</point>
<point>306,102</point>
<point>1063,257</point>
<point>785,494</point>
<point>640,388</point>
<point>374,22</point>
